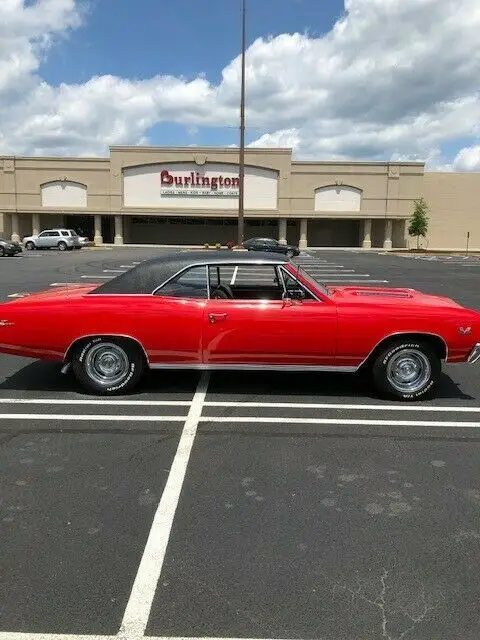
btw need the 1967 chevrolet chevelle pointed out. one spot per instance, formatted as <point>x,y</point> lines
<point>229,310</point>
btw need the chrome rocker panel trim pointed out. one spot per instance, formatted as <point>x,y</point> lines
<point>255,367</point>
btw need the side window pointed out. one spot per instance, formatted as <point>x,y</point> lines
<point>44,234</point>
<point>54,233</point>
<point>245,282</point>
<point>295,289</point>
<point>65,233</point>
<point>189,284</point>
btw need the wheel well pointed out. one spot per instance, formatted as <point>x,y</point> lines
<point>132,341</point>
<point>435,342</point>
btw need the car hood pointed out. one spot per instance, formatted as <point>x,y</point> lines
<point>389,297</point>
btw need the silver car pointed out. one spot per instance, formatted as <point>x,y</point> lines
<point>61,239</point>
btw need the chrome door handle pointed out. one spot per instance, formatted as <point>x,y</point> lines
<point>216,317</point>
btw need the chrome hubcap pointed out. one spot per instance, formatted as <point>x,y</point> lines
<point>408,371</point>
<point>107,363</point>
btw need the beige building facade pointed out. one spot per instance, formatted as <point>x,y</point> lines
<point>189,196</point>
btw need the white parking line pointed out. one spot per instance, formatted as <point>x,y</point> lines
<point>114,271</point>
<point>342,421</point>
<point>241,404</point>
<point>138,608</point>
<point>234,276</point>
<point>113,403</point>
<point>53,417</point>
<point>64,284</point>
<point>95,418</point>
<point>96,277</point>
<point>332,280</point>
<point>19,635</point>
<point>350,407</point>
<point>329,270</point>
<point>349,275</point>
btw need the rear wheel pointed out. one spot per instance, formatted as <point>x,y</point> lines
<point>406,370</point>
<point>29,246</point>
<point>108,366</point>
<point>62,246</point>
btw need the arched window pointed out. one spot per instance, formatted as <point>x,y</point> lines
<point>338,198</point>
<point>64,193</point>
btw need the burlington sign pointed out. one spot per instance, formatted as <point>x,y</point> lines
<point>193,184</point>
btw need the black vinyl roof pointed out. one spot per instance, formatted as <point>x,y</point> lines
<point>150,274</point>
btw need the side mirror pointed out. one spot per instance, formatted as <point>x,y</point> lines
<point>287,301</point>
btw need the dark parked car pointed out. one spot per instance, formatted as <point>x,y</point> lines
<point>8,248</point>
<point>269,244</point>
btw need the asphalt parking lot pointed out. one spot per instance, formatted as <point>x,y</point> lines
<point>228,505</point>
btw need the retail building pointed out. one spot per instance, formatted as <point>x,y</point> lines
<point>189,196</point>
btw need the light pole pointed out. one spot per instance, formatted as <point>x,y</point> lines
<point>241,165</point>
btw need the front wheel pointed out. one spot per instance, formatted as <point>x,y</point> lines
<point>108,366</point>
<point>62,246</point>
<point>406,370</point>
<point>29,246</point>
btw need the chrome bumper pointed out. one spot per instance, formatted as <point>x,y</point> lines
<point>474,355</point>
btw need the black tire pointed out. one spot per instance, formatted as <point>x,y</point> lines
<point>87,365</point>
<point>62,245</point>
<point>406,370</point>
<point>2,252</point>
<point>30,246</point>
<point>290,254</point>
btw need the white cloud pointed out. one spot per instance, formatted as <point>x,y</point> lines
<point>468,159</point>
<point>394,79</point>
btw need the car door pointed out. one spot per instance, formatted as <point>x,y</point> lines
<point>170,323</point>
<point>42,240</point>
<point>269,332</point>
<point>53,238</point>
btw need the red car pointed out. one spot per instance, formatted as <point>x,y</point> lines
<point>229,310</point>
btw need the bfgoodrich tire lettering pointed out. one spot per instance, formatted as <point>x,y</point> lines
<point>108,366</point>
<point>406,370</point>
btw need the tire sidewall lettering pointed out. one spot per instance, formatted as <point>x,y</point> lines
<point>394,350</point>
<point>85,349</point>
<point>125,381</point>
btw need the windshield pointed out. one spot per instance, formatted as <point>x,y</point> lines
<point>311,278</point>
<point>72,232</point>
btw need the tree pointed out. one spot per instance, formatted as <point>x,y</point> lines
<point>419,221</point>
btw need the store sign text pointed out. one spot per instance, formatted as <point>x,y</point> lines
<point>193,184</point>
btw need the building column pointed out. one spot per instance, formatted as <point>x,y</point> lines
<point>35,224</point>
<point>118,230</point>
<point>282,231</point>
<point>97,224</point>
<point>15,227</point>
<point>387,242</point>
<point>303,244</point>
<point>367,234</point>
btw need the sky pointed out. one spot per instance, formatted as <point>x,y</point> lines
<point>385,80</point>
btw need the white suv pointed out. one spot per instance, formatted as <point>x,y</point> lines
<point>61,239</point>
